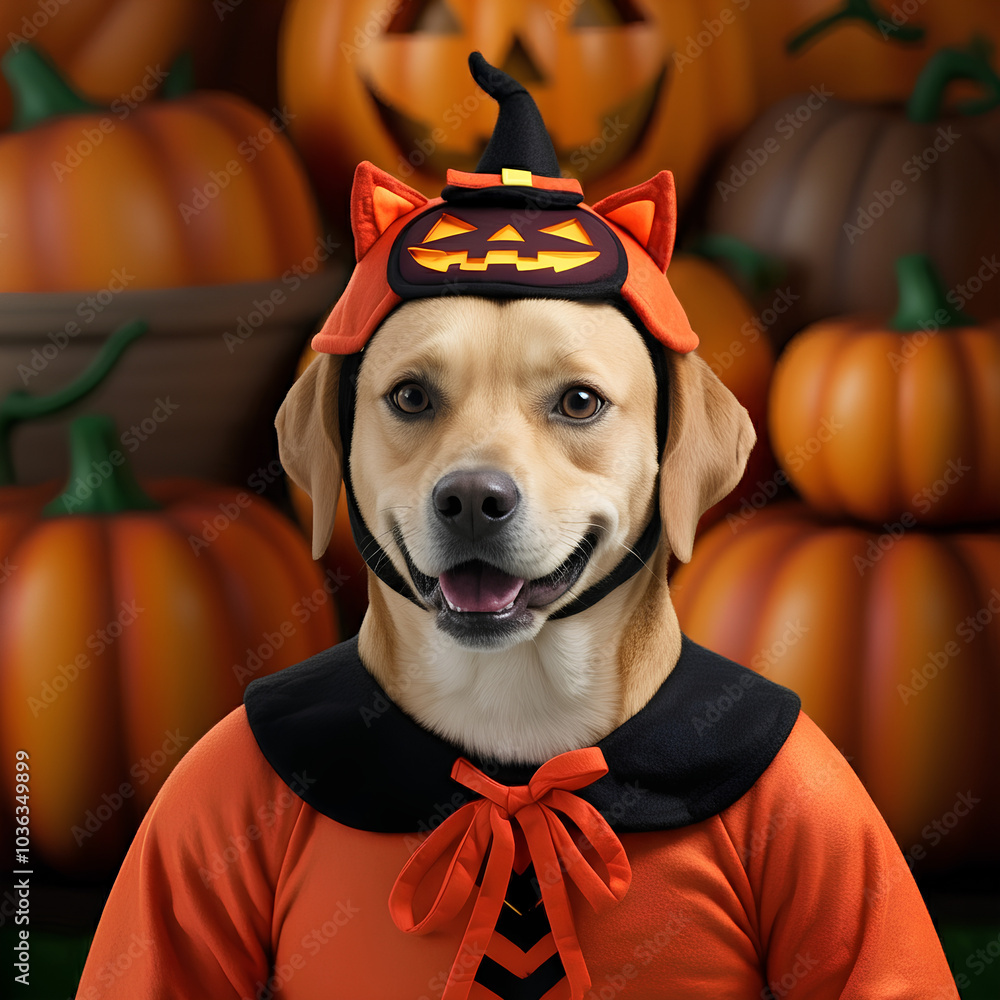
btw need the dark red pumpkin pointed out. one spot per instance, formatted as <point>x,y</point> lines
<point>839,191</point>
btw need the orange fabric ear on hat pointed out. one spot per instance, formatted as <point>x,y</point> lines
<point>648,212</point>
<point>377,200</point>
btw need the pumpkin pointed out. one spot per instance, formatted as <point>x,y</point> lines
<point>891,639</point>
<point>861,50</point>
<point>106,47</point>
<point>199,190</point>
<point>625,88</point>
<point>342,559</point>
<point>131,619</point>
<point>898,420</point>
<point>733,340</point>
<point>838,191</point>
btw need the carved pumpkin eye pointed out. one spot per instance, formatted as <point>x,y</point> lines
<point>569,230</point>
<point>447,225</point>
<point>410,397</point>
<point>605,14</point>
<point>432,16</point>
<point>580,402</point>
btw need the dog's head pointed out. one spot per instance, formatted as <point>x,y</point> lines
<point>504,454</point>
<point>505,447</point>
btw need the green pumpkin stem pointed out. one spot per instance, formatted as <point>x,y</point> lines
<point>856,10</point>
<point>101,480</point>
<point>40,90</point>
<point>758,272</point>
<point>923,300</point>
<point>180,80</point>
<point>18,405</point>
<point>944,67</point>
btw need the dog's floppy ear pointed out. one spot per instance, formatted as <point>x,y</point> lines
<point>309,442</point>
<point>709,438</point>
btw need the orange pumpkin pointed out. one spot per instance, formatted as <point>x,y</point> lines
<point>199,190</point>
<point>860,50</point>
<point>128,633</point>
<point>897,421</point>
<point>893,642</point>
<point>342,559</point>
<point>105,47</point>
<point>733,341</point>
<point>131,621</point>
<point>625,88</point>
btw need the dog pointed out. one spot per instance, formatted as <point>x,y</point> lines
<point>520,779</point>
<point>508,683</point>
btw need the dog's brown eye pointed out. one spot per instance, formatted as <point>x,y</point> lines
<point>411,398</point>
<point>580,403</point>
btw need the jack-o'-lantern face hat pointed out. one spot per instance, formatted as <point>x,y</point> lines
<point>514,228</point>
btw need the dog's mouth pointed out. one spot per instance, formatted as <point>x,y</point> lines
<point>477,597</point>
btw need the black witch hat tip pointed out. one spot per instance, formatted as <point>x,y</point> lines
<point>519,138</point>
<point>520,141</point>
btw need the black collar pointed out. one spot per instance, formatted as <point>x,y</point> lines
<point>334,737</point>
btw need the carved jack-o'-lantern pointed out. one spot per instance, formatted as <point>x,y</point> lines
<point>611,78</point>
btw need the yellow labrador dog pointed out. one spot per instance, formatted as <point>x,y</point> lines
<point>505,457</point>
<point>520,780</point>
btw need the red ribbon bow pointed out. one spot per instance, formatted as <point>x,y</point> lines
<point>467,834</point>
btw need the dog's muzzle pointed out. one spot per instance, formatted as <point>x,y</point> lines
<point>481,604</point>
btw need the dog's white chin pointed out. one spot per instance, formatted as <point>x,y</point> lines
<point>538,692</point>
<point>491,639</point>
<point>487,640</point>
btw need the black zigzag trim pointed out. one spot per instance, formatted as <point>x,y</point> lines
<point>522,919</point>
<point>506,985</point>
<point>523,891</point>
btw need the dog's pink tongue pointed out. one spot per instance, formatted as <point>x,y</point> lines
<point>475,587</point>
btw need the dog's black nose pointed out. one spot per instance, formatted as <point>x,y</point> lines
<point>475,503</point>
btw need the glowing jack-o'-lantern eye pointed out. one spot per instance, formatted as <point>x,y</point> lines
<point>447,225</point>
<point>435,17</point>
<point>605,13</point>
<point>569,230</point>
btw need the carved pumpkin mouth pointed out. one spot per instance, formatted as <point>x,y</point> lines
<point>558,260</point>
<point>618,132</point>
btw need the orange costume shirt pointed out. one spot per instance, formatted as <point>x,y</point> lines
<point>759,865</point>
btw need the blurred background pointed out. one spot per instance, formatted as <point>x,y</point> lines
<point>174,183</point>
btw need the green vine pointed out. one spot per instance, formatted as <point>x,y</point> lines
<point>856,10</point>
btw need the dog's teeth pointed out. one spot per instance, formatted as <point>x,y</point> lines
<point>455,607</point>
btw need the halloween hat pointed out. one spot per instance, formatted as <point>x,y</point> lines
<point>513,228</point>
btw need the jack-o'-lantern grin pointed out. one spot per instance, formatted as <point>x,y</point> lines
<point>615,134</point>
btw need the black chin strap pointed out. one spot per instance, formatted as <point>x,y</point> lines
<point>373,554</point>
<point>378,559</point>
